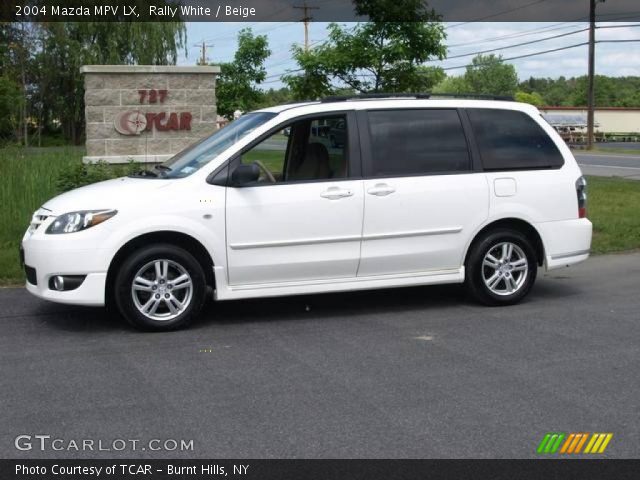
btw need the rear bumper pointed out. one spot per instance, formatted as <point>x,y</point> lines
<point>565,242</point>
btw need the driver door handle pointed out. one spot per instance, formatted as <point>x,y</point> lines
<point>381,190</point>
<point>335,193</point>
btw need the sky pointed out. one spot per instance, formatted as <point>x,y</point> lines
<point>613,59</point>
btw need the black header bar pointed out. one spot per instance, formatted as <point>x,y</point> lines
<point>125,469</point>
<point>319,10</point>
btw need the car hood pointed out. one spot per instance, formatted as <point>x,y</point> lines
<point>110,194</point>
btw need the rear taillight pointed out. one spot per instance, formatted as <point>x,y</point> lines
<point>581,190</point>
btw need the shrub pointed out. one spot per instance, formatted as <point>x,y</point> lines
<point>81,174</point>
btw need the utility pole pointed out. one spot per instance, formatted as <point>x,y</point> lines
<point>306,19</point>
<point>203,51</point>
<point>591,74</point>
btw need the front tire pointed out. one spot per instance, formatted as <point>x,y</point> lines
<point>160,287</point>
<point>501,268</point>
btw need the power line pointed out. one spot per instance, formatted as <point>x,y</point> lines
<point>493,15</point>
<point>530,42</point>
<point>485,64</point>
<point>234,36</point>
<point>520,56</point>
<point>631,40</point>
<point>543,52</point>
<point>526,33</point>
<point>619,26</point>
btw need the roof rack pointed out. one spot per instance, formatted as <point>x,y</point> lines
<point>425,95</point>
<point>477,96</point>
<point>369,96</point>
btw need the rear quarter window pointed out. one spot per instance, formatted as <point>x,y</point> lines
<point>512,140</point>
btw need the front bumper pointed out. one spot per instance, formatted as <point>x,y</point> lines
<point>90,293</point>
<point>48,256</point>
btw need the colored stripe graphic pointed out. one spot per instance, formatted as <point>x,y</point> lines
<point>581,443</point>
<point>567,442</point>
<point>550,443</point>
<point>573,443</point>
<point>544,442</point>
<point>598,443</point>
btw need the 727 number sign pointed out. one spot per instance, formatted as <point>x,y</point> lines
<point>152,96</point>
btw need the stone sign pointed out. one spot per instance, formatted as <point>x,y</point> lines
<point>146,113</point>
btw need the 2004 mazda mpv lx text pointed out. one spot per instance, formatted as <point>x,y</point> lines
<point>417,191</point>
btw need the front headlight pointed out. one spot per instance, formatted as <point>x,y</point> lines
<point>76,221</point>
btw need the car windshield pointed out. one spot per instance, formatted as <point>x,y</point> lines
<point>201,153</point>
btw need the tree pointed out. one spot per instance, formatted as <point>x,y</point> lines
<point>11,99</point>
<point>452,85</point>
<point>236,85</point>
<point>44,58</point>
<point>377,56</point>
<point>16,59</point>
<point>488,74</point>
<point>69,45</point>
<point>533,98</point>
<point>429,78</point>
<point>273,97</point>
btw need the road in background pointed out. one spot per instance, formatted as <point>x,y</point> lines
<point>414,372</point>
<point>609,164</point>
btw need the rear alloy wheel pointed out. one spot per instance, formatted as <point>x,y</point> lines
<point>501,268</point>
<point>161,287</point>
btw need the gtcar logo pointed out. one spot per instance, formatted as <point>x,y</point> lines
<point>131,122</point>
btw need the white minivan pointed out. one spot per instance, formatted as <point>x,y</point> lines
<point>418,191</point>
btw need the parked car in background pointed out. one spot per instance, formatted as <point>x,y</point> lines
<point>338,134</point>
<point>414,191</point>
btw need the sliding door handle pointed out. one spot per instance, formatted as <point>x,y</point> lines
<point>335,193</point>
<point>381,190</point>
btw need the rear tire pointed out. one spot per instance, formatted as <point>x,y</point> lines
<point>501,267</point>
<point>160,287</point>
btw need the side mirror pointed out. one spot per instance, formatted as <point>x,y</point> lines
<point>245,174</point>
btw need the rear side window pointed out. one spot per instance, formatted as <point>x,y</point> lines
<point>413,142</point>
<point>512,140</point>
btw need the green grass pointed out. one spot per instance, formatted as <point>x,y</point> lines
<point>620,151</point>
<point>274,160</point>
<point>27,180</point>
<point>614,208</point>
<point>28,177</point>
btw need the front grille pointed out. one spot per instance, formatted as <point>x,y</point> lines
<point>32,278</point>
<point>38,219</point>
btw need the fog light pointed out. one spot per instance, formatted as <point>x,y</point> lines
<point>64,283</point>
<point>58,282</point>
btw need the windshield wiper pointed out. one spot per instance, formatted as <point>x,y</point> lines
<point>144,173</point>
<point>162,167</point>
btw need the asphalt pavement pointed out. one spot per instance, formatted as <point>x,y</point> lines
<point>407,373</point>
<point>609,164</point>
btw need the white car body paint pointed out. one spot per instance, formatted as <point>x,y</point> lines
<point>320,236</point>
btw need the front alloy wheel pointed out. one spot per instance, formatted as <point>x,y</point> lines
<point>160,287</point>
